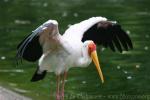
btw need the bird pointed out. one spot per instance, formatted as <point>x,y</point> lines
<point>58,53</point>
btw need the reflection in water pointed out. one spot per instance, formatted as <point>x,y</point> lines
<point>20,90</point>
<point>126,73</point>
<point>129,77</point>
<point>12,70</point>
<point>3,58</point>
<point>22,21</point>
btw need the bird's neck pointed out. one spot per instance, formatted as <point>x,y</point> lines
<point>85,59</point>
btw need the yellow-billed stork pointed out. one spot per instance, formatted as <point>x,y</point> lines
<point>75,48</point>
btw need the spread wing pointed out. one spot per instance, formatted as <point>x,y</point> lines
<point>32,47</point>
<point>102,32</point>
<point>110,35</point>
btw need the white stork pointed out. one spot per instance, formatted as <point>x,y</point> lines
<point>75,48</point>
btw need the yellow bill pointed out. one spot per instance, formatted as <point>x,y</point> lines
<point>96,62</point>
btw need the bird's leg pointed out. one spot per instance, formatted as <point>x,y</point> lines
<point>57,89</point>
<point>63,85</point>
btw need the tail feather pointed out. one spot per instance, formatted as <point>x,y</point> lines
<point>38,76</point>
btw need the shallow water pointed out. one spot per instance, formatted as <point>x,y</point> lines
<point>126,75</point>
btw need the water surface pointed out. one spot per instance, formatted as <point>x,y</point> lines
<point>126,75</point>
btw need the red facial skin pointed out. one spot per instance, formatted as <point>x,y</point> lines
<point>91,48</point>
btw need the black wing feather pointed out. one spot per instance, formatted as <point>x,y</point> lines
<point>111,46</point>
<point>117,43</point>
<point>30,48</point>
<point>110,35</point>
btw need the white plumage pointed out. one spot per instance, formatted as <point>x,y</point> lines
<point>75,48</point>
<point>61,52</point>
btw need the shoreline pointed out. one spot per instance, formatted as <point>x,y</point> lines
<point>6,94</point>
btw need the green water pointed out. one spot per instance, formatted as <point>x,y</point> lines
<point>127,75</point>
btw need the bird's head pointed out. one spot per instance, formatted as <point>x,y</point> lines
<point>91,47</point>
